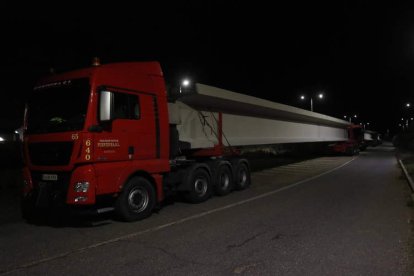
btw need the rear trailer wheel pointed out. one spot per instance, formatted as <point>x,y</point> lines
<point>199,185</point>
<point>136,201</point>
<point>223,181</point>
<point>242,176</point>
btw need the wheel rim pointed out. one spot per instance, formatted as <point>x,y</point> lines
<point>138,199</point>
<point>224,181</point>
<point>200,186</point>
<point>242,178</point>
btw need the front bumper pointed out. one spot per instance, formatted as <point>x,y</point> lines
<point>52,189</point>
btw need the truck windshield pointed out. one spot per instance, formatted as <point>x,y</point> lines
<point>58,107</point>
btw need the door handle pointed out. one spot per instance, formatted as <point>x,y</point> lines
<point>131,151</point>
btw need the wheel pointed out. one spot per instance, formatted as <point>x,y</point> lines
<point>242,176</point>
<point>199,185</point>
<point>223,181</point>
<point>28,208</point>
<point>136,200</point>
<point>34,214</point>
<point>350,151</point>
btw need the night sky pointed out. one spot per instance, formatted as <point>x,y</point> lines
<point>360,54</point>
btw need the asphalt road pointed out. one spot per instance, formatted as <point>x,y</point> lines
<point>326,216</point>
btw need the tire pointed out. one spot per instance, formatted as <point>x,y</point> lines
<point>28,208</point>
<point>242,176</point>
<point>33,214</point>
<point>223,179</point>
<point>350,151</point>
<point>136,201</point>
<point>199,185</point>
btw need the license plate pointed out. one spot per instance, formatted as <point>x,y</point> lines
<point>49,177</point>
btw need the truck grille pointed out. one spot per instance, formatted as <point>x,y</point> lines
<point>50,153</point>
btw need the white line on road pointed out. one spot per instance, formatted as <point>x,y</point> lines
<point>153,229</point>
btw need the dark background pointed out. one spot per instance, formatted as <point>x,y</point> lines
<point>360,54</point>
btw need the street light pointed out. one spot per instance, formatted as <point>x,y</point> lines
<point>320,96</point>
<point>364,125</point>
<point>184,84</point>
<point>406,121</point>
<point>408,107</point>
<point>350,117</point>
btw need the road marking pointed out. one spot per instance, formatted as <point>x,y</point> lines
<point>180,221</point>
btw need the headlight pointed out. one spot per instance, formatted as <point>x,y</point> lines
<point>81,187</point>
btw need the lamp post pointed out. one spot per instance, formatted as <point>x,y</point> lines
<point>319,96</point>
<point>350,117</point>
<point>184,83</point>
<point>404,121</point>
<point>364,125</point>
<point>408,107</point>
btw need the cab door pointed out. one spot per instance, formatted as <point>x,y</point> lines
<point>129,135</point>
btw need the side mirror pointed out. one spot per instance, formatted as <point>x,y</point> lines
<point>106,106</point>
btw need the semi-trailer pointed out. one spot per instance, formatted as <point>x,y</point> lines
<point>110,137</point>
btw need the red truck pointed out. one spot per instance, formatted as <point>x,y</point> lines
<point>101,137</point>
<point>353,145</point>
<point>108,137</point>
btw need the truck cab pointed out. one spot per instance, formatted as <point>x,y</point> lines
<point>87,132</point>
<point>353,145</point>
